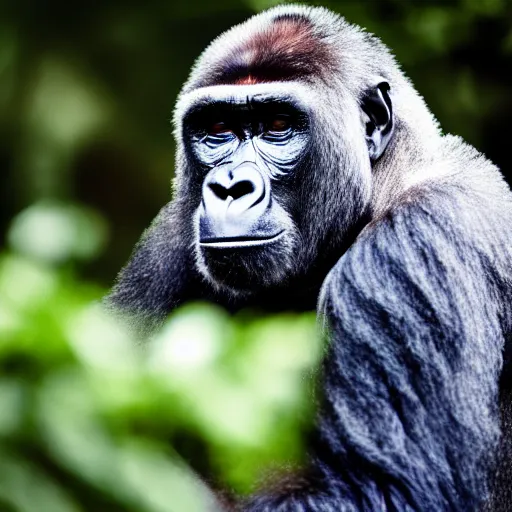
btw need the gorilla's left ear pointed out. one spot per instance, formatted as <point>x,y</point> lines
<point>376,104</point>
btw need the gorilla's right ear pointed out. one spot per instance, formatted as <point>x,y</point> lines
<point>376,104</point>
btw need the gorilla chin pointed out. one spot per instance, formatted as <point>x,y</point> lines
<point>247,265</point>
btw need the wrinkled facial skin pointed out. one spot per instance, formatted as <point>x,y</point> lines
<point>246,151</point>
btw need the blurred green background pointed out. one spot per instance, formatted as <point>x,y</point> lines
<point>89,420</point>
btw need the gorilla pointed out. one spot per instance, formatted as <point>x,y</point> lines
<point>310,172</point>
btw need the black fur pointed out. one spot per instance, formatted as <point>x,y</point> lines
<point>413,245</point>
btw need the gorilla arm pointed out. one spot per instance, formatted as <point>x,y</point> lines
<point>409,419</point>
<point>161,272</point>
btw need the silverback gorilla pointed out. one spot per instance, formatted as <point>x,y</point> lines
<point>310,171</point>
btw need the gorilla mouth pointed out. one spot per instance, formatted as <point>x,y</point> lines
<point>230,242</point>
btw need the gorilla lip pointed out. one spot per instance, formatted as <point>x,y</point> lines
<point>239,241</point>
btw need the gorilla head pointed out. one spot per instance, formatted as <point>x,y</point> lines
<point>278,131</point>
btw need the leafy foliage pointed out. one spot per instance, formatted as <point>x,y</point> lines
<point>92,418</point>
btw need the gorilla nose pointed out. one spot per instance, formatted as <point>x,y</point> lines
<point>230,193</point>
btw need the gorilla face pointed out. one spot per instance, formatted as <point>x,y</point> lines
<point>246,150</point>
<point>272,195</point>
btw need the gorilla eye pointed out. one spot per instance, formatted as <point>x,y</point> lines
<point>219,127</point>
<point>279,124</point>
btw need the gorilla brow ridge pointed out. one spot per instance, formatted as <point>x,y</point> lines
<point>285,50</point>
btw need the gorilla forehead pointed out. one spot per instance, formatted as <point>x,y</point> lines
<point>282,46</point>
<point>286,49</point>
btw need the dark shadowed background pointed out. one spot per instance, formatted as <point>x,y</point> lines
<point>87,91</point>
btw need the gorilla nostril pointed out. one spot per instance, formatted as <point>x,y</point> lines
<point>219,191</point>
<point>236,191</point>
<point>240,189</point>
